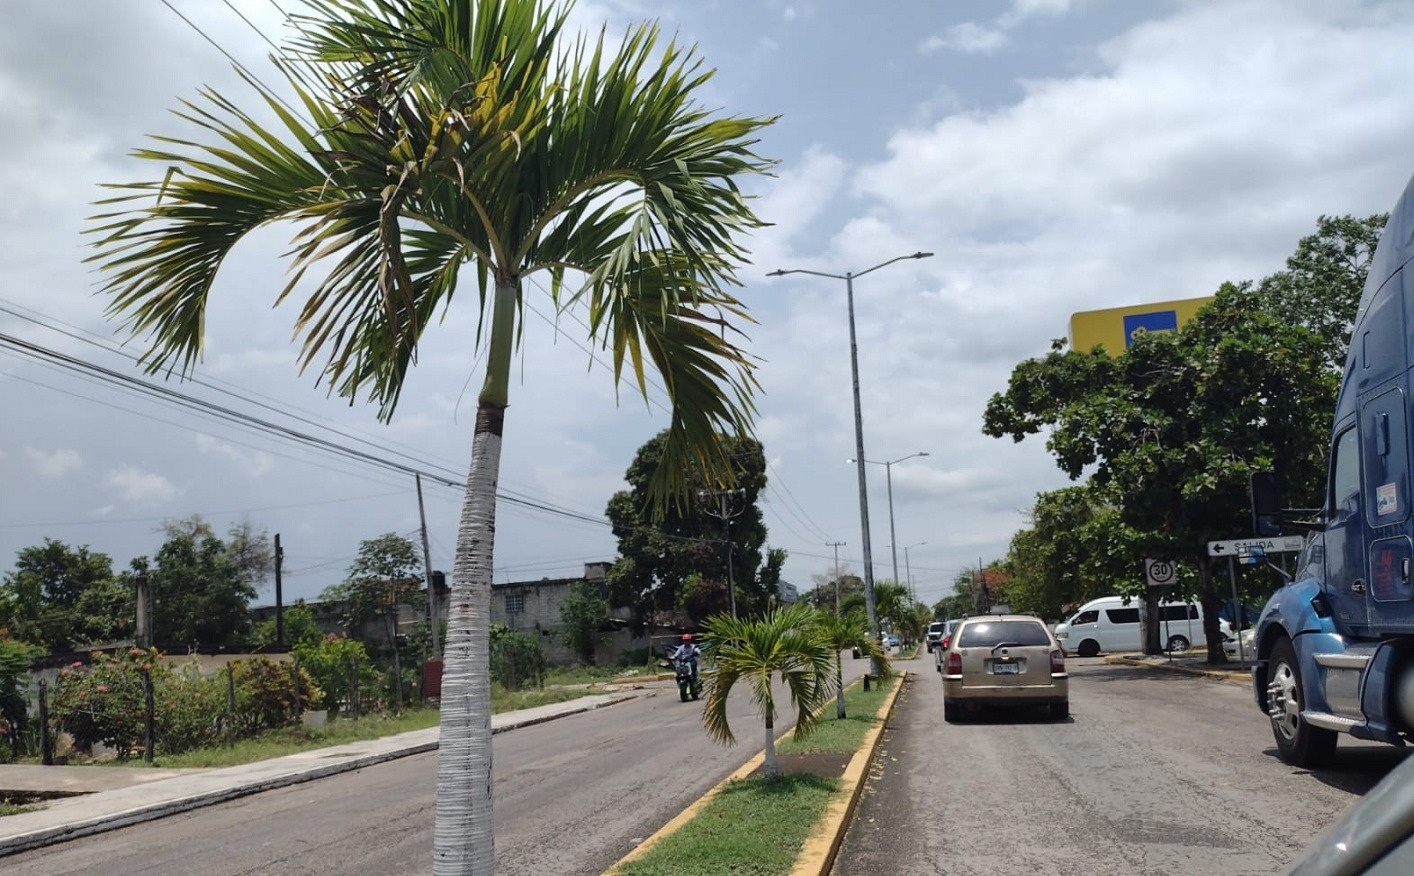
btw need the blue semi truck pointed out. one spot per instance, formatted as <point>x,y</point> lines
<point>1335,646</point>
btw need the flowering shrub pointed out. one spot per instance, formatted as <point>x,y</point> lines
<point>104,702</point>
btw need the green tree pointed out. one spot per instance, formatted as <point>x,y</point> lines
<point>384,577</point>
<point>199,596</point>
<point>1076,549</point>
<point>892,605</point>
<point>300,627</point>
<point>436,134</point>
<point>785,643</point>
<point>1321,285</point>
<point>585,612</point>
<point>850,631</point>
<point>679,559</point>
<point>1174,427</point>
<point>41,594</point>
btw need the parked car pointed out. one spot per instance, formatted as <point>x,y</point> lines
<point>1109,624</point>
<point>1249,643</point>
<point>934,634</point>
<point>948,628</point>
<point>1004,660</point>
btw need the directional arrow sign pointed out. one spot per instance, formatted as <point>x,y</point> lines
<point>1238,547</point>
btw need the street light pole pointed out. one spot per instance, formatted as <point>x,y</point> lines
<point>889,479</point>
<point>909,571</point>
<point>848,278</point>
<point>836,545</point>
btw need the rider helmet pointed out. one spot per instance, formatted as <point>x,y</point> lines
<point>687,637</point>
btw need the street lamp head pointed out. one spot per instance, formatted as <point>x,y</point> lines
<point>778,272</point>
<point>921,255</point>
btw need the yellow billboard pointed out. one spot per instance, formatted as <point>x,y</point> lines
<point>1115,328</point>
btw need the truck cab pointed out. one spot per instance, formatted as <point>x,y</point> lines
<point>1335,647</point>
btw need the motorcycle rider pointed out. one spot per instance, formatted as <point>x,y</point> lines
<point>689,652</point>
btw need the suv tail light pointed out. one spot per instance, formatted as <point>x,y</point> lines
<point>953,664</point>
<point>1058,661</point>
<point>945,641</point>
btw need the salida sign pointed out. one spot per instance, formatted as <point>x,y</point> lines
<point>1241,547</point>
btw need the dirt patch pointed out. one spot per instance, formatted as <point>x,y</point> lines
<point>831,764</point>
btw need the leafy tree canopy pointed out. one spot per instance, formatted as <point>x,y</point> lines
<point>1170,430</point>
<point>676,558</point>
<point>40,598</point>
<point>385,575</point>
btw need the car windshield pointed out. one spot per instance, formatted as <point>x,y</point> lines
<point>990,634</point>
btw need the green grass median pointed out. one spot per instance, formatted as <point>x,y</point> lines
<point>755,827</point>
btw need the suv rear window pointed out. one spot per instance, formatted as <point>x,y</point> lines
<point>989,634</point>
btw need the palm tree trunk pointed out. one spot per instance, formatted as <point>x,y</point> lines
<point>771,769</point>
<point>463,839</point>
<point>839,686</point>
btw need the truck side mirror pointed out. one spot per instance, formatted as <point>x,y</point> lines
<point>1266,504</point>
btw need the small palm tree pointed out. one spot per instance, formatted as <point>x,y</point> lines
<point>438,146</point>
<point>785,643</point>
<point>850,631</point>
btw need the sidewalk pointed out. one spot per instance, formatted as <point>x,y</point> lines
<point>106,798</point>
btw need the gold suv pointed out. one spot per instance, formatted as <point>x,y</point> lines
<point>1004,660</point>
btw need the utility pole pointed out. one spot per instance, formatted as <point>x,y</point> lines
<point>836,545</point>
<point>726,518</point>
<point>279,595</point>
<point>427,574</point>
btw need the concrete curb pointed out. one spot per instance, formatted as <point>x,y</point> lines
<point>817,856</point>
<point>818,853</point>
<point>1234,676</point>
<point>66,819</point>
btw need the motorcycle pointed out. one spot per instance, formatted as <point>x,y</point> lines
<point>689,686</point>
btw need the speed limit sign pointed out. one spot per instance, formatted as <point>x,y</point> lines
<point>1160,573</point>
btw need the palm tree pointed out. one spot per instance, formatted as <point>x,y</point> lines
<point>850,631</point>
<point>786,642</point>
<point>428,135</point>
<point>891,604</point>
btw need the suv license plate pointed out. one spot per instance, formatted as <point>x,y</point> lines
<point>1006,669</point>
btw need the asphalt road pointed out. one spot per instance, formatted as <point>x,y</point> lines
<point>1155,774</point>
<point>572,796</point>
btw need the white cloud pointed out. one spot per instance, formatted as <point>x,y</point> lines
<point>253,463</point>
<point>139,487</point>
<point>1021,10</point>
<point>56,464</point>
<point>969,38</point>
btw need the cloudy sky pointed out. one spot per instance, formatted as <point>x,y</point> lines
<point>1055,155</point>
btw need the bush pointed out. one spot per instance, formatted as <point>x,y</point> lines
<point>329,662</point>
<point>516,659</point>
<point>266,695</point>
<point>104,702</point>
<point>15,657</point>
<point>188,710</point>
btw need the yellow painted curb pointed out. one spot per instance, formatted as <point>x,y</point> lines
<point>1235,676</point>
<point>817,856</point>
<point>818,853</point>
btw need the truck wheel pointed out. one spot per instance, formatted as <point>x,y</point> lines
<point>1298,743</point>
<point>1177,643</point>
<point>1088,648</point>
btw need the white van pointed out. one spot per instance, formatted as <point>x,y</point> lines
<point>1108,624</point>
